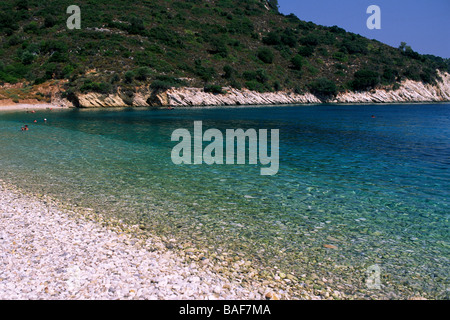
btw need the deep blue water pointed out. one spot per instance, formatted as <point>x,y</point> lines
<point>377,188</point>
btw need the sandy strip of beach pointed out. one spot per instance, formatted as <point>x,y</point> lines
<point>28,107</point>
<point>52,253</point>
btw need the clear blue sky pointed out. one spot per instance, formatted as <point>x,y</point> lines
<point>424,25</point>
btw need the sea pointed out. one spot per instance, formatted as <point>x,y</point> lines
<point>360,202</point>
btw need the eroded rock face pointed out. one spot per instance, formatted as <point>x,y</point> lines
<point>143,97</point>
<point>409,91</point>
<point>197,97</point>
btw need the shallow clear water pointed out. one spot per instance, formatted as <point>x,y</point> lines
<point>377,188</point>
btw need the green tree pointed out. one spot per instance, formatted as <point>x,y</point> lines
<point>129,76</point>
<point>205,73</point>
<point>22,5</point>
<point>136,26</point>
<point>323,87</point>
<point>216,89</point>
<point>143,73</point>
<point>49,21</point>
<point>297,62</point>
<point>27,57</point>
<point>229,72</point>
<point>265,55</point>
<point>365,79</point>
<point>273,38</point>
<point>306,51</point>
<point>274,5</point>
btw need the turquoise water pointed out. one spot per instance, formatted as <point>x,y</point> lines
<point>376,188</point>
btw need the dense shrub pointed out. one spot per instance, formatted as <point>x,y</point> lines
<point>389,75</point>
<point>411,53</point>
<point>27,57</point>
<point>337,30</point>
<point>241,26</point>
<point>218,47</point>
<point>216,89</point>
<point>115,78</point>
<point>428,75</point>
<point>265,55</point>
<point>68,70</point>
<point>52,70</point>
<point>355,46</point>
<point>259,75</point>
<point>22,5</point>
<point>129,76</point>
<point>49,21</point>
<point>58,57</point>
<point>310,40</point>
<point>7,23</point>
<point>306,51</point>
<point>256,86</point>
<point>340,56</point>
<point>323,87</point>
<point>32,27</point>
<point>143,73</point>
<point>174,82</point>
<point>274,4</point>
<point>166,36</point>
<point>297,62</point>
<point>230,72</point>
<point>365,79</point>
<point>99,87</point>
<point>14,41</point>
<point>205,73</point>
<point>136,26</point>
<point>289,38</point>
<point>272,38</point>
<point>51,46</point>
<point>412,73</point>
<point>160,85</point>
<point>323,51</point>
<point>277,86</point>
<point>5,77</point>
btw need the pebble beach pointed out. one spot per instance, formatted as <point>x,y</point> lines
<point>51,253</point>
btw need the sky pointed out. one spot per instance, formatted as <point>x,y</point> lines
<point>423,25</point>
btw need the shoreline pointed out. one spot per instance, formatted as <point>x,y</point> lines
<point>409,91</point>
<point>40,107</point>
<point>51,251</point>
<point>28,106</point>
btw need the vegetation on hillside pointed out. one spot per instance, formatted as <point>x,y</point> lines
<point>211,44</point>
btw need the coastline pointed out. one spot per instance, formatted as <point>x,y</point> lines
<point>54,252</point>
<point>409,92</point>
<point>40,107</point>
<point>28,106</point>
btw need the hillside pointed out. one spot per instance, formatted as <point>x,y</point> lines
<point>161,44</point>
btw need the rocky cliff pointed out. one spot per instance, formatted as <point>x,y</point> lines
<point>409,91</point>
